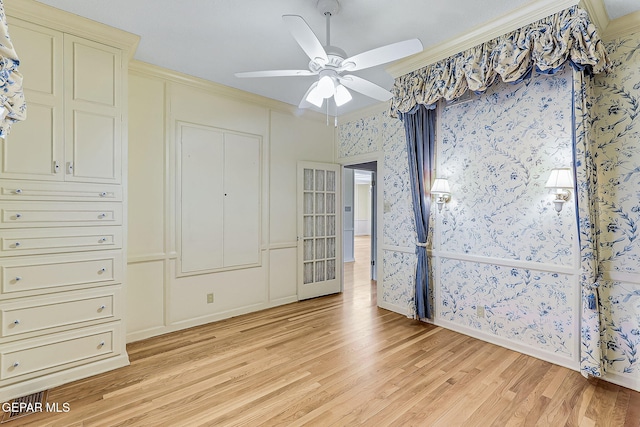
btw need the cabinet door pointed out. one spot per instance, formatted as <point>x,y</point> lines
<point>34,147</point>
<point>93,74</point>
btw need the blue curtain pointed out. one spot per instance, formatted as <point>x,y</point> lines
<point>419,125</point>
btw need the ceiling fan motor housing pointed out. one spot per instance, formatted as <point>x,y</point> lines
<point>328,6</point>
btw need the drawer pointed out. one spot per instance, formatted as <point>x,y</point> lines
<point>22,276</point>
<point>29,315</point>
<point>57,352</point>
<point>34,214</point>
<point>26,241</point>
<point>67,191</point>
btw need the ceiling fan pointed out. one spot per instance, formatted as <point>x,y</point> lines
<point>330,63</point>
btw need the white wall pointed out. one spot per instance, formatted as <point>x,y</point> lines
<point>158,301</point>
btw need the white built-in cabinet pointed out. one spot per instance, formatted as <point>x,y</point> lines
<point>219,192</point>
<point>63,197</point>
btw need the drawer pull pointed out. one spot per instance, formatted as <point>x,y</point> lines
<point>18,278</point>
<point>18,191</point>
<point>103,194</point>
<point>56,167</point>
<point>101,344</point>
<point>16,364</point>
<point>102,215</point>
<point>102,239</point>
<point>102,270</point>
<point>16,322</point>
<point>102,307</point>
<point>18,215</point>
<point>17,244</point>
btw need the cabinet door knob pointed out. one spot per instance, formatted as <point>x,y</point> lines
<point>18,191</point>
<point>70,168</point>
<point>16,364</point>
<point>16,322</point>
<point>102,239</point>
<point>56,167</point>
<point>18,278</point>
<point>103,194</point>
<point>102,307</point>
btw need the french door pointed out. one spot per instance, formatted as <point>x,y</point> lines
<point>319,229</point>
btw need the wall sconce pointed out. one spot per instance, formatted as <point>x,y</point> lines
<point>560,180</point>
<point>441,190</point>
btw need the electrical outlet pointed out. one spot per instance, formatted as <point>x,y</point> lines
<point>480,311</point>
<point>210,298</point>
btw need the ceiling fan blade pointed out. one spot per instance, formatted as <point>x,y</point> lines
<point>365,87</point>
<point>306,38</point>
<point>382,55</point>
<point>276,73</point>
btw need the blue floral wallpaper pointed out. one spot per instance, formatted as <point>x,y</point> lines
<point>617,130</point>
<point>501,250</point>
<point>497,151</point>
<point>531,307</point>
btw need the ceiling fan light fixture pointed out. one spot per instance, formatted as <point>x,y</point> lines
<point>314,97</point>
<point>342,95</point>
<point>326,87</point>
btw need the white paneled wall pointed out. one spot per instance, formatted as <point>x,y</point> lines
<point>160,301</point>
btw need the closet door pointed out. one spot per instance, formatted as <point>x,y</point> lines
<point>219,189</point>
<point>34,148</point>
<point>93,151</point>
<point>201,195</point>
<point>241,200</point>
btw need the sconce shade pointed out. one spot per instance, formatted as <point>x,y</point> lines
<point>440,186</point>
<point>560,178</point>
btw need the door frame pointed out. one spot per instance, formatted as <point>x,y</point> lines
<point>378,158</point>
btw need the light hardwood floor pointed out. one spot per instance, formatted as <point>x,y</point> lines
<point>335,361</point>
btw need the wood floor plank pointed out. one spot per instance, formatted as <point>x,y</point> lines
<point>335,361</point>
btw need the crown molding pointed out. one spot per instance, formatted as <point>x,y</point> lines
<point>147,69</point>
<point>530,12</point>
<point>47,16</point>
<point>622,26</point>
<point>598,13</point>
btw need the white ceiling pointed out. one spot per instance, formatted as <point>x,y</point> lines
<point>213,39</point>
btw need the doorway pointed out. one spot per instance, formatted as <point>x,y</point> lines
<point>360,222</point>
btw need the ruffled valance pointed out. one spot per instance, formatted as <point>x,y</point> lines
<point>12,103</point>
<point>544,45</point>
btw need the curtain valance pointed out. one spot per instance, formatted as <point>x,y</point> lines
<point>544,45</point>
<point>12,103</point>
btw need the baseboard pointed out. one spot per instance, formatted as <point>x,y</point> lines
<point>623,380</point>
<point>59,378</point>
<point>566,362</point>
<point>395,308</point>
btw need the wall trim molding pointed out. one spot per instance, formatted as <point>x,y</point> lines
<point>167,75</point>
<point>529,265</point>
<point>48,16</point>
<point>622,26</point>
<point>530,12</point>
<point>403,249</point>
<point>618,276</point>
